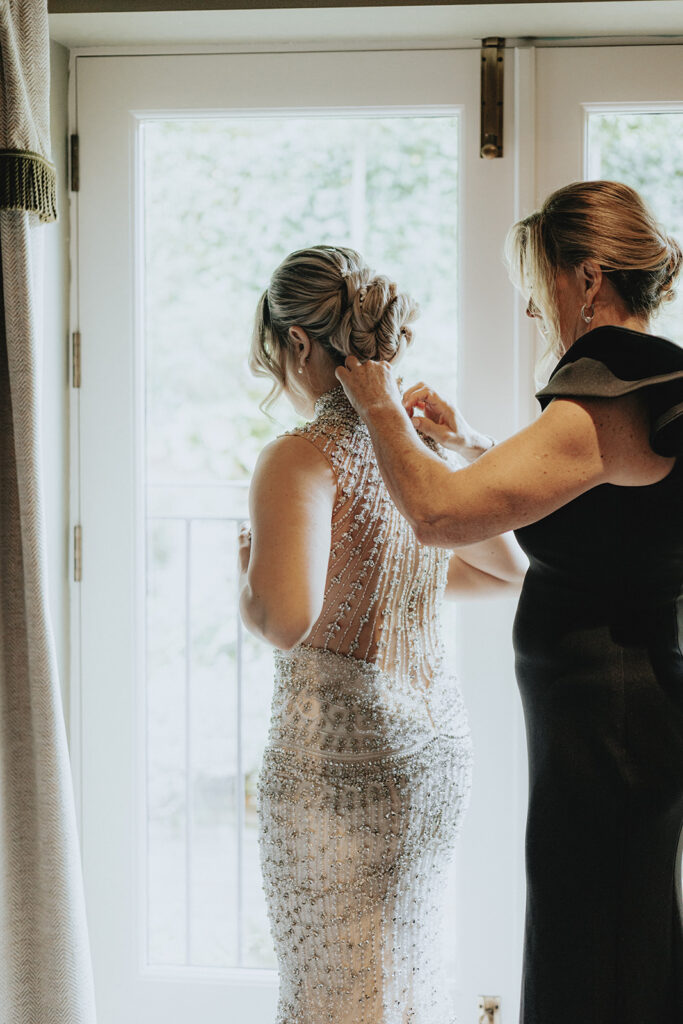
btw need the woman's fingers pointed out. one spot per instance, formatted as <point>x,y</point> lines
<point>244,546</point>
<point>417,394</point>
<point>369,385</point>
<point>409,392</point>
<point>343,372</point>
<point>433,405</point>
<point>438,431</point>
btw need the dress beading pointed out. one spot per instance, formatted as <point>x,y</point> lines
<point>366,774</point>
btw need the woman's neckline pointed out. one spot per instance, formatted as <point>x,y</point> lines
<point>614,328</point>
<point>570,355</point>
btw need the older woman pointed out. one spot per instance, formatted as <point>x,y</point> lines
<point>595,493</point>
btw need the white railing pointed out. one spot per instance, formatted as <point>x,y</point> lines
<point>189,506</point>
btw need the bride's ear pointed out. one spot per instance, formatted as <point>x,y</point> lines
<point>301,344</point>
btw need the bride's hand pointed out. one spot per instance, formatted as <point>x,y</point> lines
<point>244,547</point>
<point>444,423</point>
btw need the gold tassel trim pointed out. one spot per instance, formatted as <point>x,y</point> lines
<point>28,182</point>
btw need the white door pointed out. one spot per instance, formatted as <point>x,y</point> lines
<point>616,113</point>
<point>198,174</point>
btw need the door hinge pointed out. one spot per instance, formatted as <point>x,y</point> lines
<point>491,143</point>
<point>78,553</point>
<point>76,359</point>
<point>75,164</point>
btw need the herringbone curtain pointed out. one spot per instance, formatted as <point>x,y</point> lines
<point>45,972</point>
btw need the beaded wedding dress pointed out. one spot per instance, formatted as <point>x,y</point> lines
<point>366,774</point>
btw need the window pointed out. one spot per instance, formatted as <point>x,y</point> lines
<point>224,200</point>
<point>644,149</point>
<point>198,174</point>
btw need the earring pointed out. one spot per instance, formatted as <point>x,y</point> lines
<point>587,317</point>
<point>300,370</point>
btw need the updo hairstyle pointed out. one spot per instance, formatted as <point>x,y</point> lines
<point>333,295</point>
<point>604,221</point>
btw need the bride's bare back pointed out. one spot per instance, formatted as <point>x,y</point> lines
<point>383,589</point>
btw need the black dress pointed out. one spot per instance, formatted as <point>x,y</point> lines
<point>599,653</point>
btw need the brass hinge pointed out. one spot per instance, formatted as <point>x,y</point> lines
<point>75,164</point>
<point>491,144</point>
<point>78,553</point>
<point>76,359</point>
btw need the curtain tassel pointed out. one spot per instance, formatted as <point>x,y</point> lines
<point>28,182</point>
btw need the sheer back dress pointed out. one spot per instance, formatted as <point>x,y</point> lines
<point>366,774</point>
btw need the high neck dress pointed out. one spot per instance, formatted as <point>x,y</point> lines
<point>366,774</point>
<point>598,638</point>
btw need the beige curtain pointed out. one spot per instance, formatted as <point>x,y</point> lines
<point>45,972</point>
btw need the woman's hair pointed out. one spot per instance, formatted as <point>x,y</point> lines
<point>604,221</point>
<point>333,295</point>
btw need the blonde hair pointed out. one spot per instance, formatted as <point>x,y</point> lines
<point>333,295</point>
<point>605,221</point>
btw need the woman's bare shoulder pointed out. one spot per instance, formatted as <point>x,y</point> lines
<point>293,459</point>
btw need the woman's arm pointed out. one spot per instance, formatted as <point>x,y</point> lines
<point>573,446</point>
<point>282,578</point>
<point>491,568</point>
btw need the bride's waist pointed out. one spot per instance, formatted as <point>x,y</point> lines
<point>337,704</point>
<point>329,668</point>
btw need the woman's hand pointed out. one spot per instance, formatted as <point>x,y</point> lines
<point>444,423</point>
<point>244,547</point>
<point>369,386</point>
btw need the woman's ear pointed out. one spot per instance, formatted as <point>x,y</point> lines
<point>590,280</point>
<point>301,343</point>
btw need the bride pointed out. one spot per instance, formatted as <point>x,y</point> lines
<point>366,773</point>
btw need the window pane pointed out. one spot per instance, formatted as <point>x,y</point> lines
<point>645,151</point>
<point>224,200</point>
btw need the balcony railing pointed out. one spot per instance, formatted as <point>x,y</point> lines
<point>207,699</point>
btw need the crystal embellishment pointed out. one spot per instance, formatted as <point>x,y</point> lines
<point>366,774</point>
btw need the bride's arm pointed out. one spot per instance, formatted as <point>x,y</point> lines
<point>490,568</point>
<point>282,578</point>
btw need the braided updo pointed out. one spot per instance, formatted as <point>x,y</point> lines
<point>332,294</point>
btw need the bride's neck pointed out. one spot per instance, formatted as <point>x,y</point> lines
<point>322,378</point>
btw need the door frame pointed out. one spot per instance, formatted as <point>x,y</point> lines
<point>500,895</point>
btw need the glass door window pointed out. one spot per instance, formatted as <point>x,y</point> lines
<point>198,174</point>
<point>644,149</point>
<point>225,199</point>
<point>617,113</point>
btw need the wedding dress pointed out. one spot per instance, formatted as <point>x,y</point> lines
<point>366,773</point>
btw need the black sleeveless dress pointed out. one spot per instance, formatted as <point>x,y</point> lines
<point>599,653</point>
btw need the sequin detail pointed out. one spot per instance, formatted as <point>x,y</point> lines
<point>366,774</point>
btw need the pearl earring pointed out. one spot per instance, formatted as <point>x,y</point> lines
<point>300,370</point>
<point>585,316</point>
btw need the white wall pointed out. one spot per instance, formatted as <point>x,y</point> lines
<point>55,382</point>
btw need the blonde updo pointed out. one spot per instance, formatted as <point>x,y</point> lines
<point>605,221</point>
<point>333,295</point>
